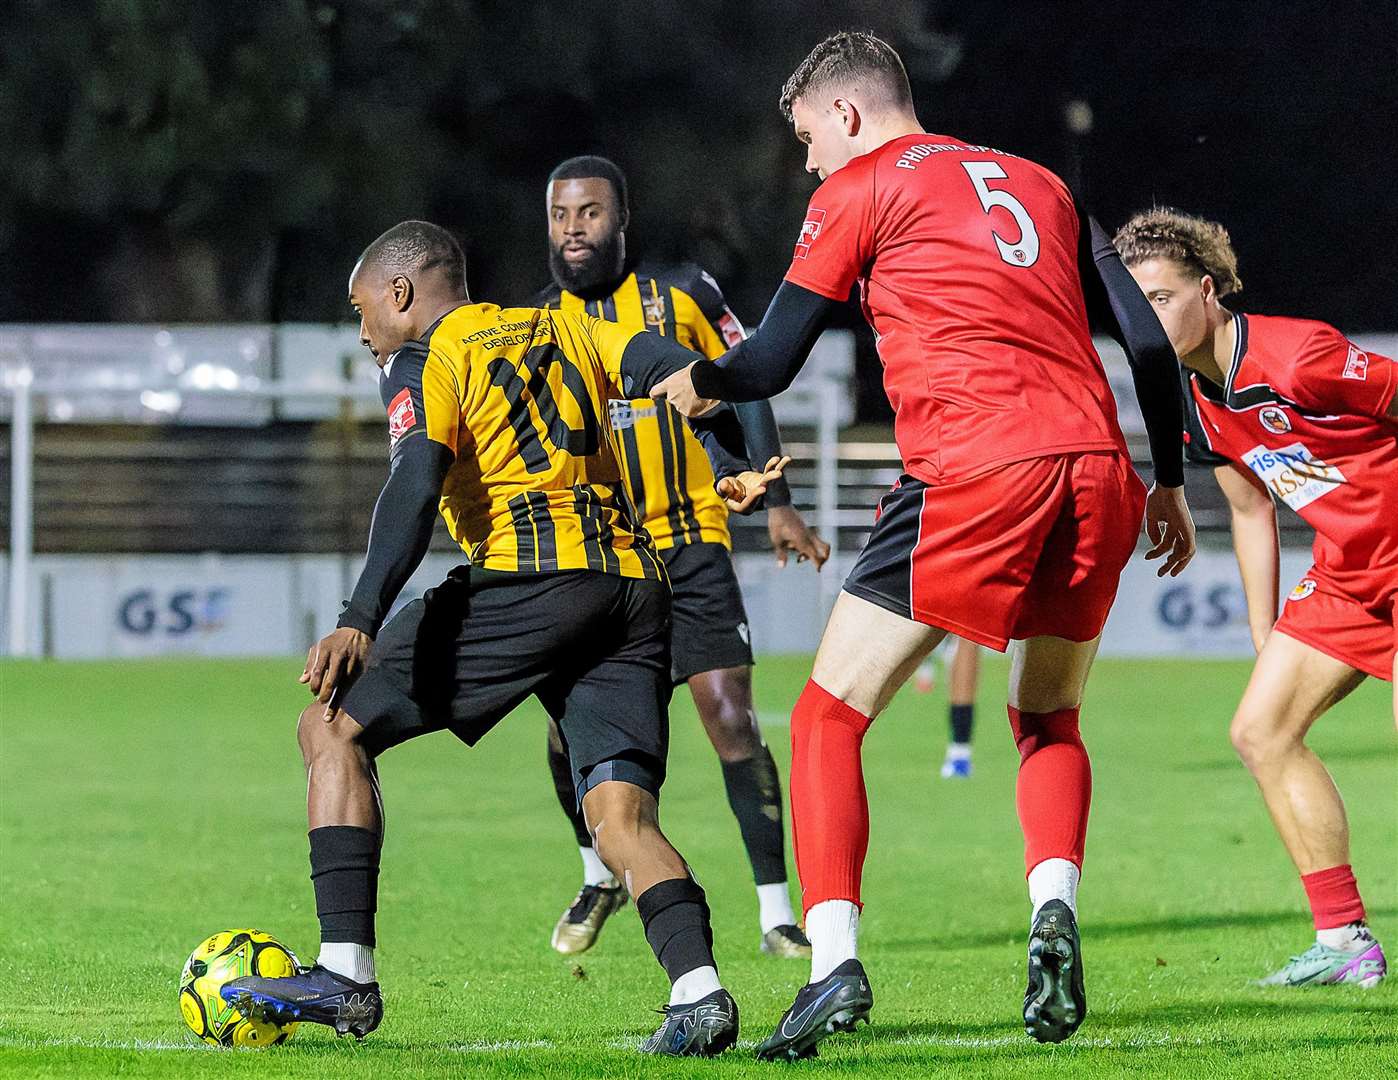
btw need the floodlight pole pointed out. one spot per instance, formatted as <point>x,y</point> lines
<point>21,508</point>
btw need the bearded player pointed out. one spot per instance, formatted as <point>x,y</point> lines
<point>1288,409</point>
<point>1018,508</point>
<point>671,486</point>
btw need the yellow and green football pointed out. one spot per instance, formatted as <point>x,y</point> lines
<point>232,954</point>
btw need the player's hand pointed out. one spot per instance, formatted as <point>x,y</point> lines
<point>790,534</point>
<point>1170,528</point>
<point>334,662</point>
<point>678,390</point>
<point>740,492</point>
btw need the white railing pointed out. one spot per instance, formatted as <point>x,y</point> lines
<point>249,375</point>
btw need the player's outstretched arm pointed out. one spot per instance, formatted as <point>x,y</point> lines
<point>1116,304</point>
<point>1254,520</point>
<point>787,530</point>
<point>761,366</point>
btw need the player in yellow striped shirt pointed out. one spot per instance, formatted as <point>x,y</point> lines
<point>671,484</point>
<point>497,418</point>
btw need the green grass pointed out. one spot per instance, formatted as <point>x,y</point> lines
<point>145,805</point>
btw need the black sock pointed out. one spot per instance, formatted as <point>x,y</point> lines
<point>962,718</point>
<point>562,769</point>
<point>345,873</point>
<point>755,794</point>
<point>676,921</point>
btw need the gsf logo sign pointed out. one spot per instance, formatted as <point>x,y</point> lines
<point>1184,606</point>
<point>147,612</point>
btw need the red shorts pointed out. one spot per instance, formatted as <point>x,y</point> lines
<point>1364,636</point>
<point>1031,548</point>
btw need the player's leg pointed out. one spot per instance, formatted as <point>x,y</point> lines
<point>1099,509</point>
<point>711,651</point>
<point>613,708</point>
<point>345,818</point>
<point>1291,686</point>
<point>961,709</point>
<point>723,699</point>
<point>866,653</point>
<point>601,894</point>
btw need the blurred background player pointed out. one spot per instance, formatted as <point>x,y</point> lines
<point>980,275</point>
<point>497,418</point>
<point>963,676</point>
<point>672,488</point>
<point>1288,408</point>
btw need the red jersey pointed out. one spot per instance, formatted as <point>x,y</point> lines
<point>968,270</point>
<point>1303,408</point>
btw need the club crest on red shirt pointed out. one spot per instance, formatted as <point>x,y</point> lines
<point>401,417</point>
<point>1275,420</point>
<point>1356,365</point>
<point>1303,589</point>
<point>810,229</point>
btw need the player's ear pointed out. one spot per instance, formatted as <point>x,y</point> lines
<point>1208,291</point>
<point>849,116</point>
<point>400,289</point>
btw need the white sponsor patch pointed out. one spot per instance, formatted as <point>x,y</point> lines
<point>1303,589</point>
<point>624,414</point>
<point>1293,474</point>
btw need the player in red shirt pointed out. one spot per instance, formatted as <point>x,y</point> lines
<point>1288,408</point>
<point>1018,507</point>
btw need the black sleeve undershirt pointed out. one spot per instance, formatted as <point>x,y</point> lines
<point>401,530</point>
<point>648,359</point>
<point>1116,305</point>
<point>764,442</point>
<point>765,364</point>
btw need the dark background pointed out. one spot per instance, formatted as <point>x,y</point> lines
<point>209,161</point>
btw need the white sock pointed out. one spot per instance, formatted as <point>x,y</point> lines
<point>833,927</point>
<point>595,871</point>
<point>693,985</point>
<point>774,906</point>
<point>959,751</point>
<point>1352,937</point>
<point>348,959</point>
<point>1053,879</point>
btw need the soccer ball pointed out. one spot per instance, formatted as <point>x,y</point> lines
<point>230,955</point>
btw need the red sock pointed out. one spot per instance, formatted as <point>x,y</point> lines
<point>829,810</point>
<point>1054,789</point>
<point>1334,897</point>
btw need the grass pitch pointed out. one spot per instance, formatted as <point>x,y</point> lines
<point>144,806</point>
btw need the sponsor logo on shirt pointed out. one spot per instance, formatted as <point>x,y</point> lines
<point>401,417</point>
<point>624,414</point>
<point>1275,420</point>
<point>1303,589</point>
<point>810,229</point>
<point>1293,474</point>
<point>1356,365</point>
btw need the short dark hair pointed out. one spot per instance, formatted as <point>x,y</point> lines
<point>1165,233</point>
<point>589,167</point>
<point>852,58</point>
<point>418,247</point>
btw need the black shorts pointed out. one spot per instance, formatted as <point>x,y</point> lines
<point>594,648</point>
<point>710,624</point>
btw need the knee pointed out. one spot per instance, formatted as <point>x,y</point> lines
<point>1033,731</point>
<point>317,737</point>
<point>1256,736</point>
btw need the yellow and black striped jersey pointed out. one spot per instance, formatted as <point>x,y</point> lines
<point>519,396</point>
<point>666,472</point>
